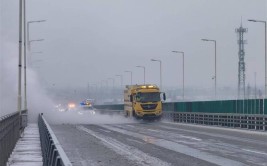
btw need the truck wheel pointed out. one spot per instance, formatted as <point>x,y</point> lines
<point>134,115</point>
<point>159,118</point>
<point>126,114</point>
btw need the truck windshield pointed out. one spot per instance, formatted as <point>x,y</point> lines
<point>148,97</point>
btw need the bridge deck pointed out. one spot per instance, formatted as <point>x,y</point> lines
<point>28,149</point>
<point>160,143</point>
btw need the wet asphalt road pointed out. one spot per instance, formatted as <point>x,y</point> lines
<point>160,143</point>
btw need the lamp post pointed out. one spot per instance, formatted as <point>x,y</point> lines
<point>31,41</point>
<point>144,72</point>
<point>105,82</point>
<point>20,55</point>
<point>103,95</point>
<point>113,81</point>
<point>25,50</point>
<point>215,52</point>
<point>94,91</point>
<point>181,52</point>
<point>131,75</point>
<point>118,75</point>
<point>88,89</point>
<point>35,40</point>
<point>160,70</point>
<point>28,30</point>
<point>25,55</point>
<point>260,21</point>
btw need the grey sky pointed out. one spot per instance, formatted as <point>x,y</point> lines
<point>88,41</point>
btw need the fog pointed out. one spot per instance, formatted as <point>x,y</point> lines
<point>8,79</point>
<point>75,117</point>
<point>87,42</point>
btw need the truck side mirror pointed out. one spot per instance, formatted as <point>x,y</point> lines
<point>131,98</point>
<point>164,96</point>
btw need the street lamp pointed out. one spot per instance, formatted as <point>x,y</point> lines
<point>20,54</point>
<point>113,80</point>
<point>181,52</point>
<point>28,30</point>
<point>36,40</point>
<point>94,91</point>
<point>215,75</point>
<point>252,20</point>
<point>95,87</point>
<point>105,82</point>
<point>118,75</point>
<point>160,70</point>
<point>131,75</point>
<point>25,55</point>
<point>144,72</point>
<point>25,50</point>
<point>102,92</point>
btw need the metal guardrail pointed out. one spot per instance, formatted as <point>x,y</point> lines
<point>53,154</point>
<point>247,121</point>
<point>10,130</point>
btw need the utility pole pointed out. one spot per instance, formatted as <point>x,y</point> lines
<point>131,76</point>
<point>144,73</point>
<point>25,56</point>
<point>265,87</point>
<point>28,31</point>
<point>20,55</point>
<point>88,89</point>
<point>215,63</point>
<point>119,75</point>
<point>183,68</point>
<point>160,71</point>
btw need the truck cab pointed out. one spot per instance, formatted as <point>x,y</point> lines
<point>143,101</point>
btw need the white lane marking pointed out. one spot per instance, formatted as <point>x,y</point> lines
<point>130,152</point>
<point>152,130</point>
<point>107,131</point>
<point>216,135</point>
<point>193,138</point>
<point>174,146</point>
<point>248,150</point>
<point>217,128</point>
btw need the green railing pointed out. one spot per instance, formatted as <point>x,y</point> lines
<point>248,106</point>
<point>110,107</point>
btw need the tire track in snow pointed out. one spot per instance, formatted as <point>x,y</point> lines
<point>130,152</point>
<point>174,146</point>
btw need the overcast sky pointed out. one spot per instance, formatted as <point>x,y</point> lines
<point>92,40</point>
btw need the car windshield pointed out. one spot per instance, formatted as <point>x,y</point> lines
<point>148,97</point>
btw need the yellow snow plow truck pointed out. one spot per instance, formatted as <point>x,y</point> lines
<point>143,101</point>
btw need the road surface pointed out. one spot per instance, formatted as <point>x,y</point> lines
<point>160,143</point>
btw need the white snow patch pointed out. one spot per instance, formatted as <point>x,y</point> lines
<point>130,152</point>
<point>28,149</point>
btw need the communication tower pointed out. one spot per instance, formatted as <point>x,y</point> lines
<point>241,64</point>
